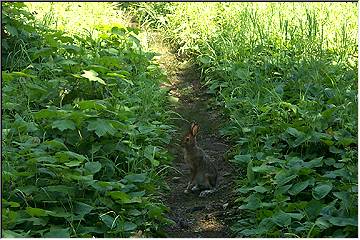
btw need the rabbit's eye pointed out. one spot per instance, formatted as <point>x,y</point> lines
<point>187,139</point>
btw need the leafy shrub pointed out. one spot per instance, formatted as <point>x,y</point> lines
<point>284,75</point>
<point>84,130</point>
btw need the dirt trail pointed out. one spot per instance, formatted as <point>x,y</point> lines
<point>194,216</point>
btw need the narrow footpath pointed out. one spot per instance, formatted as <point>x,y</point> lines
<point>194,216</point>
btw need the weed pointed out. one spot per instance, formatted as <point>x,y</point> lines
<point>284,74</point>
<point>84,128</point>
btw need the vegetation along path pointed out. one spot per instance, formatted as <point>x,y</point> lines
<point>89,119</point>
<point>194,216</point>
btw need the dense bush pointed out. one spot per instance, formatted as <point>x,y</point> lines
<point>84,127</point>
<point>285,76</point>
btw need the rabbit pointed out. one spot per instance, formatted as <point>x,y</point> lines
<point>203,172</point>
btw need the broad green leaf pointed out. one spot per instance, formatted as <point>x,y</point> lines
<point>14,204</point>
<point>12,30</point>
<point>58,233</point>
<point>242,158</point>
<point>300,140</point>
<point>283,177</point>
<point>47,171</point>
<point>22,74</point>
<point>155,211</point>
<point>260,189</point>
<point>281,218</point>
<point>28,189</point>
<point>263,168</point>
<point>343,173</point>
<point>334,149</point>
<point>329,161</point>
<point>93,167</point>
<point>328,112</point>
<point>101,127</point>
<point>78,177</point>
<point>73,163</point>
<point>13,234</point>
<point>63,156</point>
<point>298,187</point>
<point>92,104</point>
<point>43,52</point>
<point>329,209</point>
<point>323,222</point>
<point>344,197</point>
<point>244,189</point>
<point>60,188</point>
<point>155,163</point>
<point>124,197</point>
<point>249,232</point>
<point>129,226</point>
<point>10,76</point>
<point>297,216</point>
<point>36,212</point>
<point>149,152</point>
<point>82,208</point>
<point>282,189</point>
<point>60,212</point>
<point>56,145</point>
<point>265,225</point>
<point>71,48</point>
<point>342,221</point>
<point>313,208</point>
<point>118,30</point>
<point>99,68</point>
<point>250,173</point>
<point>63,124</point>
<point>316,162</point>
<point>121,77</point>
<point>134,212</point>
<point>321,190</point>
<point>9,204</point>
<point>92,76</point>
<point>83,229</point>
<point>49,113</point>
<point>68,62</point>
<point>137,178</point>
<point>38,221</point>
<point>346,141</point>
<point>253,203</point>
<point>108,220</point>
<point>294,132</point>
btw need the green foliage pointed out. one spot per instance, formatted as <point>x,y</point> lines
<point>84,127</point>
<point>284,75</point>
<point>151,14</point>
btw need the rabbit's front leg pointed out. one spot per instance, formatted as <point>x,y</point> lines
<point>191,182</point>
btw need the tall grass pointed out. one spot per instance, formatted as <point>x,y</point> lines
<point>78,18</point>
<point>285,77</point>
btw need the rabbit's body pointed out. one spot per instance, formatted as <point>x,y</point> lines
<point>203,172</point>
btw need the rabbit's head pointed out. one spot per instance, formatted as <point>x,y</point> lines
<point>189,139</point>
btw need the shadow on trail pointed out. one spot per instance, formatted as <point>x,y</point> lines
<point>195,216</point>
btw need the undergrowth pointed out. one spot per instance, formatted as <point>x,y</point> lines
<point>285,77</point>
<point>84,125</point>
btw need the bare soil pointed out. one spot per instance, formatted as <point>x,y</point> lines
<point>194,216</point>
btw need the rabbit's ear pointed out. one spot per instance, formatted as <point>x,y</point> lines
<point>194,129</point>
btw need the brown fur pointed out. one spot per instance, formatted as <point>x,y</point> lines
<point>203,172</point>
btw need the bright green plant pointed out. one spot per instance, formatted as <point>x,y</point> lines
<point>84,134</point>
<point>284,75</point>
